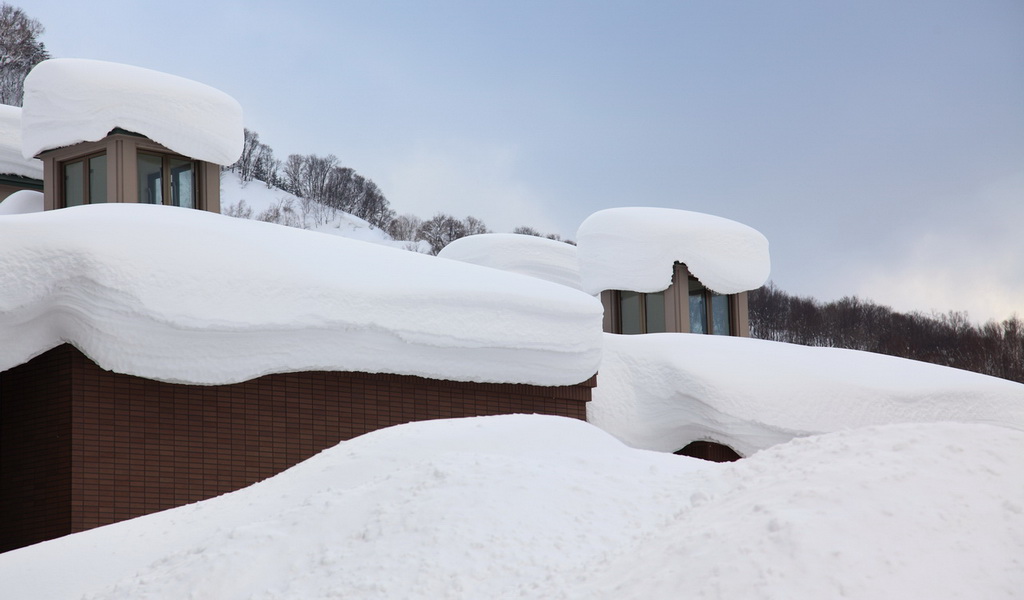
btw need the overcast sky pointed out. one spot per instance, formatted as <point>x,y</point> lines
<point>879,145</point>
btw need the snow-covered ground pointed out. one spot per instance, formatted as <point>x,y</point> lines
<point>526,254</point>
<point>545,507</point>
<point>190,296</point>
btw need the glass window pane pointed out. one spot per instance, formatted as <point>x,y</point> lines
<point>698,308</point>
<point>74,183</point>
<point>655,309</point>
<point>151,185</point>
<point>182,189</point>
<point>629,312</point>
<point>719,314</point>
<point>98,179</point>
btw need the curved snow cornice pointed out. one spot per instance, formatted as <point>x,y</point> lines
<point>11,160</point>
<point>72,100</point>
<point>188,296</point>
<point>526,254</point>
<point>635,249</point>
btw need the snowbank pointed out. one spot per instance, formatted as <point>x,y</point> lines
<point>635,249</point>
<point>22,202</point>
<point>72,100</point>
<point>11,160</point>
<point>662,391</point>
<point>189,296</point>
<point>525,254</point>
<point>544,507</point>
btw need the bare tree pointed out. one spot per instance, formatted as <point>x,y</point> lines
<point>474,226</point>
<point>441,230</point>
<point>405,227</point>
<point>20,50</point>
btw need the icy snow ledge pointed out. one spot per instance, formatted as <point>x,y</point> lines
<point>71,100</point>
<point>635,249</point>
<point>11,160</point>
<point>663,391</point>
<point>188,296</point>
<point>525,254</point>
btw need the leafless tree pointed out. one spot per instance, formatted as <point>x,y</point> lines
<point>20,50</point>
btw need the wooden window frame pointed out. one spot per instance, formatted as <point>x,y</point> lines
<point>86,176</point>
<point>165,174</point>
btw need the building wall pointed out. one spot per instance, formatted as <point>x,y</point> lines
<point>94,447</point>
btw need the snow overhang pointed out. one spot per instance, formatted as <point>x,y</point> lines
<point>11,160</point>
<point>636,248</point>
<point>525,254</point>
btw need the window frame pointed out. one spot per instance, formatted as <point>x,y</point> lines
<point>86,177</point>
<point>166,183</point>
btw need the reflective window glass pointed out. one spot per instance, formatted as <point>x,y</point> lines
<point>654,308</point>
<point>74,183</point>
<point>98,179</point>
<point>698,308</point>
<point>719,314</point>
<point>150,169</point>
<point>629,312</point>
<point>182,188</point>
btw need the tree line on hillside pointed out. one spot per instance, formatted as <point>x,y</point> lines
<point>20,50</point>
<point>324,186</point>
<point>951,339</point>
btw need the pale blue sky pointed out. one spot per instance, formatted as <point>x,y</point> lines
<point>879,145</point>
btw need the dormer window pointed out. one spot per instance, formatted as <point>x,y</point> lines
<point>690,309</point>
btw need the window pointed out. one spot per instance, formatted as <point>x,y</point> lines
<point>85,180</point>
<point>641,313</point>
<point>709,311</point>
<point>165,179</point>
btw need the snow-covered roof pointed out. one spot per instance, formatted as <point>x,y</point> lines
<point>635,249</point>
<point>662,391</point>
<point>190,296</point>
<point>525,254</point>
<point>529,506</point>
<point>11,160</point>
<point>72,100</point>
<point>22,202</point>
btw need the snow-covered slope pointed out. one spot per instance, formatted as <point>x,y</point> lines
<point>526,254</point>
<point>72,100</point>
<point>190,296</point>
<point>662,391</point>
<point>634,248</point>
<point>11,160</point>
<point>543,507</point>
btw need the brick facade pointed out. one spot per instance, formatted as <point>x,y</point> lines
<point>82,447</point>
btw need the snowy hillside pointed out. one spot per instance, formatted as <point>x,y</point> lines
<point>255,200</point>
<point>545,507</point>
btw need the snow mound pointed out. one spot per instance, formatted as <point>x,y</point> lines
<point>535,506</point>
<point>22,202</point>
<point>11,160</point>
<point>526,254</point>
<point>72,100</point>
<point>663,391</point>
<point>635,249</point>
<point>190,296</point>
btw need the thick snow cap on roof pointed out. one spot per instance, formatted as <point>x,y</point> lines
<point>635,249</point>
<point>11,160</point>
<point>140,290</point>
<point>72,100</point>
<point>525,254</point>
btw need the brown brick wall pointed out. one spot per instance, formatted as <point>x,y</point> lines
<point>127,446</point>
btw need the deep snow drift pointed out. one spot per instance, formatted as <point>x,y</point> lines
<point>635,249</point>
<point>545,507</point>
<point>190,296</point>
<point>22,202</point>
<point>526,254</point>
<point>72,100</point>
<point>11,160</point>
<point>662,391</point>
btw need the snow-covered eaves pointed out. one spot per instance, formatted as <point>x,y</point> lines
<point>662,391</point>
<point>525,254</point>
<point>636,248</point>
<point>193,297</point>
<point>11,160</point>
<point>71,100</point>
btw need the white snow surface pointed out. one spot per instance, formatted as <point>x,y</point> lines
<point>72,100</point>
<point>546,507</point>
<point>663,391</point>
<point>526,254</point>
<point>635,248</point>
<point>259,197</point>
<point>189,296</point>
<point>11,160</point>
<point>22,202</point>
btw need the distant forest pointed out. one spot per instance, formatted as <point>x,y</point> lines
<point>949,339</point>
